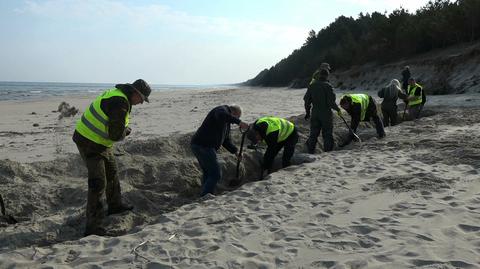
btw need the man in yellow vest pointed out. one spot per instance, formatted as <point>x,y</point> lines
<point>361,107</point>
<point>415,99</point>
<point>277,133</point>
<point>103,123</point>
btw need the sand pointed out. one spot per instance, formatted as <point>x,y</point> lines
<point>168,113</point>
<point>449,70</point>
<point>410,200</point>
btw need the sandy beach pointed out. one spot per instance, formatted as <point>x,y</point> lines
<point>410,200</point>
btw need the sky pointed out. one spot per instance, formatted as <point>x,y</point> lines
<point>184,42</point>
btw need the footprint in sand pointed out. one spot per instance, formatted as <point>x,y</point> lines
<point>72,256</point>
<point>469,228</point>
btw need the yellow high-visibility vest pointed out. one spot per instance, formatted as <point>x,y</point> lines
<point>361,99</point>
<point>411,92</point>
<point>93,124</point>
<point>284,127</point>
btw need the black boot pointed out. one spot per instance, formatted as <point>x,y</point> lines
<point>95,231</point>
<point>310,149</point>
<point>119,209</point>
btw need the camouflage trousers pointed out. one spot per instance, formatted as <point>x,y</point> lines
<point>102,177</point>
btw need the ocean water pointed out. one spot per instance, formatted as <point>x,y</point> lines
<point>38,90</point>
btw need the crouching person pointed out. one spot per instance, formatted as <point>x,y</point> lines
<point>361,107</point>
<point>277,133</point>
<point>212,134</point>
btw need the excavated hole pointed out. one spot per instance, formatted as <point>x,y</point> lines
<point>157,176</point>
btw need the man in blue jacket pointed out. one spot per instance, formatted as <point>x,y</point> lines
<point>213,133</point>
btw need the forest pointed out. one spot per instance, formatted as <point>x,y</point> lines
<point>377,37</point>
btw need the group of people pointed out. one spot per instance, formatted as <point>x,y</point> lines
<point>106,121</point>
<point>319,103</point>
<point>214,133</point>
<point>412,94</point>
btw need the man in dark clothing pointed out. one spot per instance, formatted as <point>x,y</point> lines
<point>277,133</point>
<point>415,99</point>
<point>390,95</point>
<point>361,107</point>
<point>103,123</point>
<point>405,77</point>
<point>320,94</point>
<point>213,133</point>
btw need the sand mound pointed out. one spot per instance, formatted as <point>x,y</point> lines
<point>417,182</point>
<point>66,110</point>
<point>157,176</point>
<point>454,70</point>
<point>334,212</point>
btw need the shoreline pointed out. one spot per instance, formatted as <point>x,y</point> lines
<point>168,113</point>
<point>30,91</point>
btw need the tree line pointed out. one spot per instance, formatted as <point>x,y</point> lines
<point>377,37</point>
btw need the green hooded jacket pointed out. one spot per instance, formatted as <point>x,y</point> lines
<point>320,95</point>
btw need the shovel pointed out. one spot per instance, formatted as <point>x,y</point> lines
<point>237,180</point>
<point>348,126</point>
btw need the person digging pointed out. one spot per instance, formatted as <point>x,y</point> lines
<point>361,107</point>
<point>277,133</point>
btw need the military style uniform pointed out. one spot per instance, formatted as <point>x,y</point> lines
<point>320,94</point>
<point>103,123</point>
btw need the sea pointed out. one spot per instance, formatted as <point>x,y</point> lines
<point>37,90</point>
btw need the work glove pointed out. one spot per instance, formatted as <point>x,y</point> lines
<point>307,116</point>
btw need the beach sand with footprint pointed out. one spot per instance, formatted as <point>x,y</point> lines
<point>410,200</point>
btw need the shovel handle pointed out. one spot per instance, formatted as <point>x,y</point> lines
<point>350,129</point>
<point>240,153</point>
<point>2,205</point>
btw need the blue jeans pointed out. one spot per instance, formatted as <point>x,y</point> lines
<point>207,158</point>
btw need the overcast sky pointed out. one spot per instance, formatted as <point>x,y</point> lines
<point>163,42</point>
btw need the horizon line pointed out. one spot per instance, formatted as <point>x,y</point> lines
<point>157,84</point>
